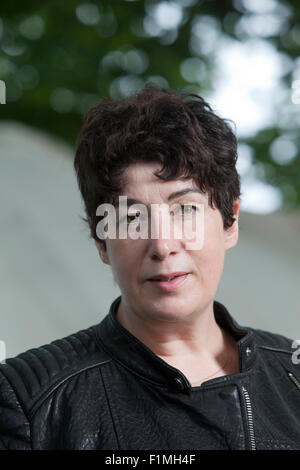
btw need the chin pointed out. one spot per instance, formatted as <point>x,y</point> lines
<point>169,311</point>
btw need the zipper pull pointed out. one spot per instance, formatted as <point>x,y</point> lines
<point>293,379</point>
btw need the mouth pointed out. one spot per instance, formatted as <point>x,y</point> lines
<point>169,284</point>
<point>167,277</point>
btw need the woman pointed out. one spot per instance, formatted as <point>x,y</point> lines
<point>168,367</point>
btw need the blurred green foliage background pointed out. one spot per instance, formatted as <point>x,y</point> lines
<point>60,57</point>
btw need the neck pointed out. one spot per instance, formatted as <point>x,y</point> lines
<point>196,345</point>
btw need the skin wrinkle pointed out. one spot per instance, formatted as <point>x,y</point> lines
<point>179,326</point>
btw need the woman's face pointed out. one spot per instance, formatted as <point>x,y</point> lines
<point>135,261</point>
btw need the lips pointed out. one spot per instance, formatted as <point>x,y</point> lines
<point>167,276</point>
<point>167,286</point>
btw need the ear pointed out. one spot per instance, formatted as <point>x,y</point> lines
<point>232,233</point>
<point>102,251</point>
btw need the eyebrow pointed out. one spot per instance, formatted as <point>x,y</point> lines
<point>171,196</point>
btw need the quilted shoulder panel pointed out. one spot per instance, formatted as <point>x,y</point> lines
<point>14,424</point>
<point>33,372</point>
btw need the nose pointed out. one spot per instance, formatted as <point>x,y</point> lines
<point>162,248</point>
<point>162,240</point>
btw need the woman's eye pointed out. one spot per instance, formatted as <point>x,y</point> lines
<point>188,209</point>
<point>133,216</point>
<point>185,209</point>
<point>193,208</point>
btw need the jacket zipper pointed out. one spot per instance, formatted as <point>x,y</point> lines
<point>249,418</point>
<point>293,378</point>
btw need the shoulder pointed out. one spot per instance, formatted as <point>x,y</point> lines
<point>271,345</point>
<point>269,340</point>
<point>35,373</point>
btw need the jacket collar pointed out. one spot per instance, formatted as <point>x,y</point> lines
<point>131,353</point>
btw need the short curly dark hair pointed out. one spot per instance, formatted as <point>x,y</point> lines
<point>177,129</point>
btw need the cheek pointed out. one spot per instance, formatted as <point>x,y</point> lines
<point>124,261</point>
<point>211,257</point>
<point>210,261</point>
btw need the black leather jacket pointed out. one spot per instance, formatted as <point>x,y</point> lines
<point>101,388</point>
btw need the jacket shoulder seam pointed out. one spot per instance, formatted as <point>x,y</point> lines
<point>272,341</point>
<point>26,415</point>
<point>35,370</point>
<point>53,387</point>
<point>109,407</point>
<point>15,394</point>
<point>270,348</point>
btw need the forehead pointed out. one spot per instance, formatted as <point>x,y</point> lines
<point>139,179</point>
